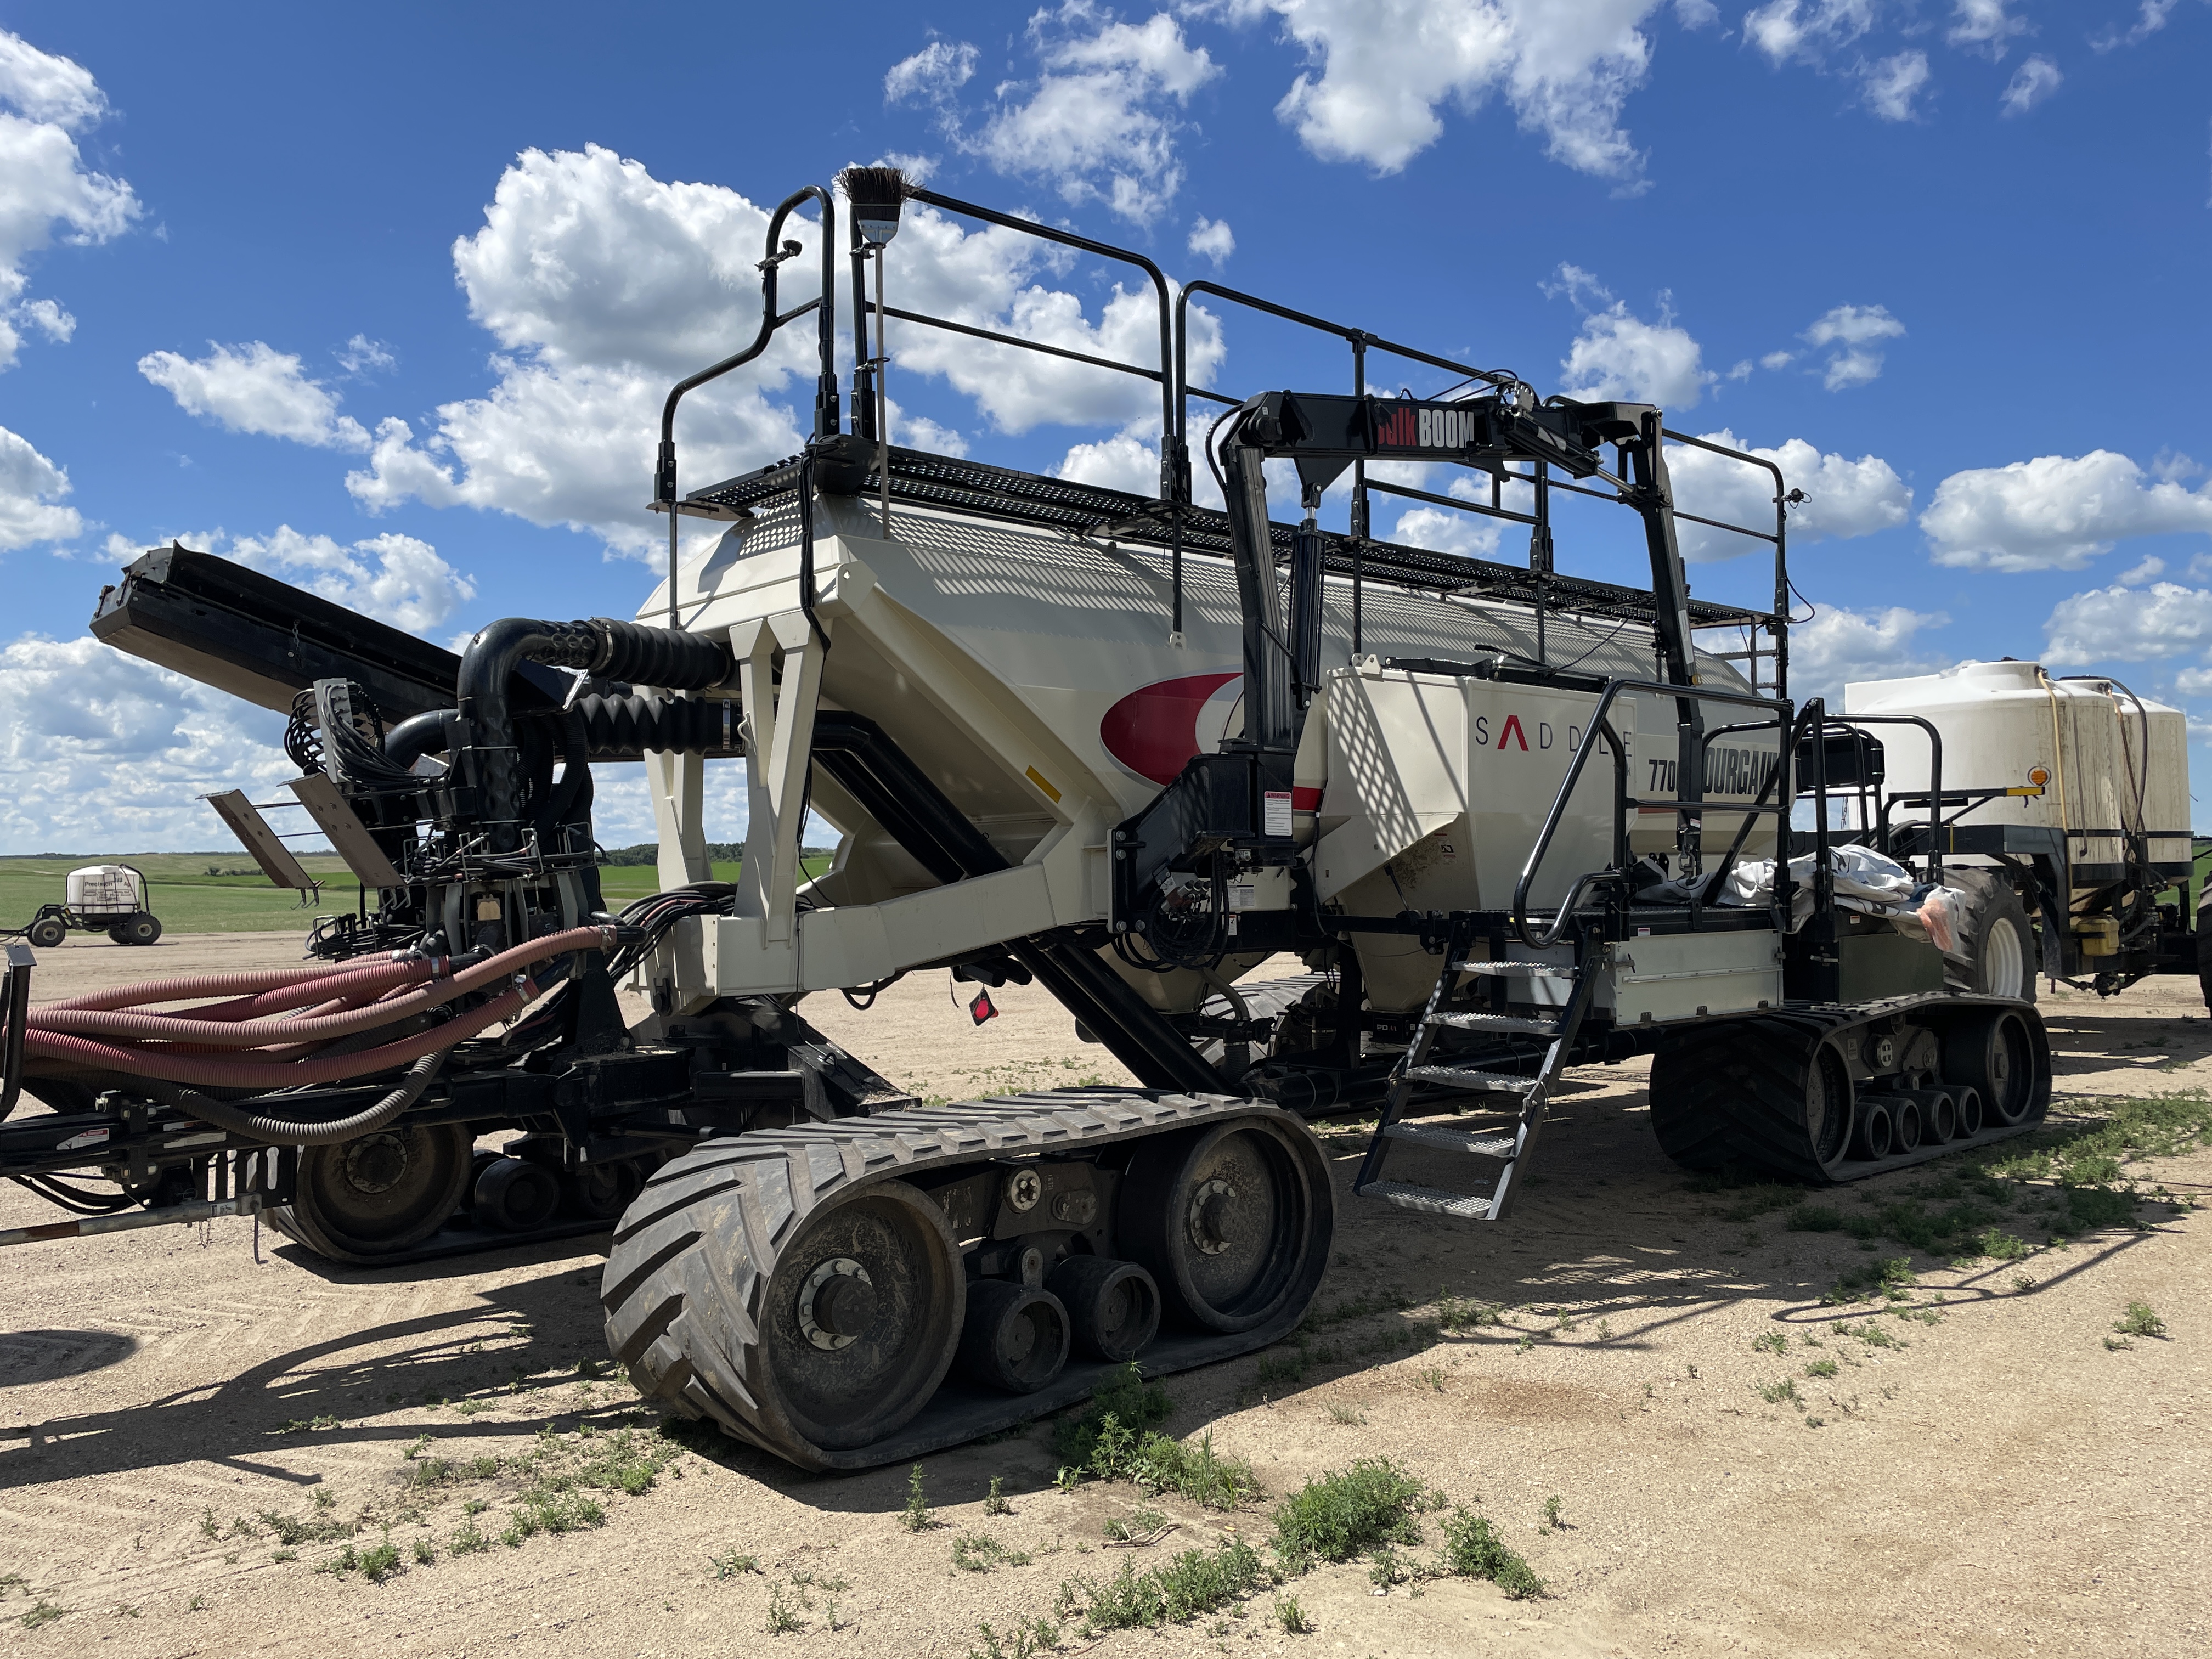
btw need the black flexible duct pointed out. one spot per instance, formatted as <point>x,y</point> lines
<point>288,1132</point>
<point>488,754</point>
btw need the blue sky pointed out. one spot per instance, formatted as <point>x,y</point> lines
<point>384,302</point>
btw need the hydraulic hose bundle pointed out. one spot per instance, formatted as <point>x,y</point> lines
<point>279,1029</point>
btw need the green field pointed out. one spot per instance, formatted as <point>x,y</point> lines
<point>225,893</point>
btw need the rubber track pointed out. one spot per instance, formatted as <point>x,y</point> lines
<point>1733,1092</point>
<point>694,1254</point>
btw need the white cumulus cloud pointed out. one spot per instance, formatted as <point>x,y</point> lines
<point>2030,84</point>
<point>46,190</point>
<point>1853,329</point>
<point>1100,120</point>
<point>1843,498</point>
<point>1382,70</point>
<point>1841,645</point>
<point>2150,18</point>
<point>1984,25</point>
<point>933,75</point>
<point>1805,30</point>
<point>1620,355</point>
<point>1211,239</point>
<point>31,491</point>
<point>102,752</point>
<point>2055,513</point>
<point>256,388</point>
<point>363,355</point>
<point>602,286</point>
<point>2126,625</point>
<point>1893,85</point>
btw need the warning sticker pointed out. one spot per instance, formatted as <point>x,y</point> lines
<point>1275,812</point>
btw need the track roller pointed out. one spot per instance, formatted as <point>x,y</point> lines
<point>1939,1114</point>
<point>1015,1337</point>
<point>1874,1133</point>
<point>513,1195</point>
<point>1223,1220</point>
<point>379,1194</point>
<point>1113,1307</point>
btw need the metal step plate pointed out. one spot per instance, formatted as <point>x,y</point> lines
<point>1428,1201</point>
<point>1472,1081</point>
<point>1550,969</point>
<point>1456,1140</point>
<point>1496,1022</point>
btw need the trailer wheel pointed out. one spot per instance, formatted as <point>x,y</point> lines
<point>1996,952</point>
<point>47,932</point>
<point>379,1195</point>
<point>142,929</point>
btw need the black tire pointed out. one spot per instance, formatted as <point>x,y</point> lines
<point>1996,952</point>
<point>47,932</point>
<point>118,936</point>
<point>689,1314</point>
<point>379,1195</point>
<point>1773,1093</point>
<point>1225,1223</point>
<point>143,928</point>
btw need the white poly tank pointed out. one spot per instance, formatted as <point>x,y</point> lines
<point>105,889</point>
<point>2109,764</point>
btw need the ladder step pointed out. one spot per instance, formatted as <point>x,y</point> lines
<point>1495,1023</point>
<point>1472,1080</point>
<point>1457,1140</point>
<point>1550,969</point>
<point>1429,1200</point>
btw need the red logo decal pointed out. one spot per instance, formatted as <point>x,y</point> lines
<point>1154,729</point>
<point>1513,729</point>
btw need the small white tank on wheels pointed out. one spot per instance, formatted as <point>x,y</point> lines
<point>2090,854</point>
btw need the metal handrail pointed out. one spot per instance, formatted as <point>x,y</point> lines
<point>825,392</point>
<point>1613,688</point>
<point>1171,430</point>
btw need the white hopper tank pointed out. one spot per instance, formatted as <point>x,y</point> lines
<point>2112,766</point>
<point>105,889</point>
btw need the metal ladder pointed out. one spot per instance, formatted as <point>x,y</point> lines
<point>1533,1093</point>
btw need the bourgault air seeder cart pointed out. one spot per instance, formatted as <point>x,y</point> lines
<point>1127,747</point>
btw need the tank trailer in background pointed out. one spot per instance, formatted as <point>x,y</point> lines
<point>1127,747</point>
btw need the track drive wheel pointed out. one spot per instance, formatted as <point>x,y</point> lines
<point>1996,1052</point>
<point>1226,1222</point>
<point>379,1195</point>
<point>1996,952</point>
<point>838,1344</point>
<point>1771,1092</point>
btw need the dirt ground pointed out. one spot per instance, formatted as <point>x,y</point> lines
<point>1993,1479</point>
